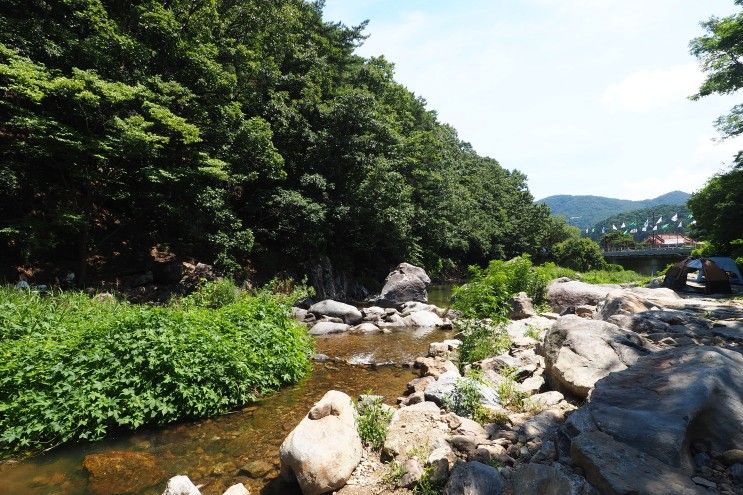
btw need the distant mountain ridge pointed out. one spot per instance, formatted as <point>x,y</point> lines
<point>587,211</point>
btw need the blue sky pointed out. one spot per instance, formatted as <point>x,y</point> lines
<point>584,96</point>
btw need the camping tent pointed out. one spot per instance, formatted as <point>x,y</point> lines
<point>714,276</point>
<point>724,263</point>
<point>727,264</point>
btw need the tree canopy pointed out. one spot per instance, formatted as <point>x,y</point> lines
<point>241,132</point>
<point>718,206</point>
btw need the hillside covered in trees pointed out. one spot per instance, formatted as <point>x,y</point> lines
<point>242,133</point>
<point>587,211</point>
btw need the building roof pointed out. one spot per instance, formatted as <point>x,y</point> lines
<point>669,239</point>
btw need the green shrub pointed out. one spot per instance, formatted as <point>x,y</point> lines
<point>480,339</point>
<point>372,421</point>
<point>427,485</point>
<point>488,293</point>
<point>464,400</point>
<point>508,391</point>
<point>579,253</point>
<point>215,294</point>
<point>73,368</point>
<point>550,271</point>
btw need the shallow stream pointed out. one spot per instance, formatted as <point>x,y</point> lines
<point>238,447</point>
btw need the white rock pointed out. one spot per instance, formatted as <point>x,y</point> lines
<point>423,319</point>
<point>323,450</point>
<point>238,489</point>
<point>181,485</point>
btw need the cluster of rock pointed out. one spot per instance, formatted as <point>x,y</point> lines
<point>182,485</point>
<point>329,317</point>
<point>403,302</point>
<point>630,391</point>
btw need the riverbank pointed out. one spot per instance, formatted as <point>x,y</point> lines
<point>76,368</point>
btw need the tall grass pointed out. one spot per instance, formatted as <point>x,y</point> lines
<point>74,368</point>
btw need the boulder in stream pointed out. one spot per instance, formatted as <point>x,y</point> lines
<point>328,327</point>
<point>349,314</point>
<point>323,450</point>
<point>405,283</point>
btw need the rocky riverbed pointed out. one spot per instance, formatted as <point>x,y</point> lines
<point>616,391</point>
<point>630,390</point>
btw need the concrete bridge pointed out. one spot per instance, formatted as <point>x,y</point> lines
<point>650,260</point>
<point>679,251</point>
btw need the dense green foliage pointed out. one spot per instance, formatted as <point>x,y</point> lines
<point>718,206</point>
<point>242,132</point>
<point>580,254</point>
<point>373,420</point>
<point>488,293</point>
<point>718,210</point>
<point>75,368</point>
<point>480,339</point>
<point>588,211</point>
<point>720,52</point>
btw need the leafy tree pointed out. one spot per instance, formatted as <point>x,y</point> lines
<point>717,206</point>
<point>718,210</point>
<point>616,240</point>
<point>580,254</point>
<point>239,132</point>
<point>720,52</point>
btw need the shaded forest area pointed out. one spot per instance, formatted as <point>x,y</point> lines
<point>241,133</point>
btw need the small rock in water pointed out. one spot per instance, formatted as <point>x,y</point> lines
<point>238,489</point>
<point>181,485</point>
<point>256,469</point>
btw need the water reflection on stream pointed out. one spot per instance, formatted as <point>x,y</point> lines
<point>215,452</point>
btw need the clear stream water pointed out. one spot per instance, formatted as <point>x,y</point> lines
<point>221,451</point>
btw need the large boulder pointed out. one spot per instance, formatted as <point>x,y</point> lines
<point>618,469</point>
<point>540,479</point>
<point>668,401</point>
<point>423,319</point>
<point>521,307</point>
<point>405,283</point>
<point>349,314</point>
<point>328,327</point>
<point>620,305</point>
<point>474,478</point>
<point>563,294</point>
<point>323,450</point>
<point>579,352</point>
<point>413,428</point>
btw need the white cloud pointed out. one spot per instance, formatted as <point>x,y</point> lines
<point>714,152</point>
<point>709,157</point>
<point>652,89</point>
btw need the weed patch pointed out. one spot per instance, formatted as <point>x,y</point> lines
<point>373,421</point>
<point>73,368</point>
